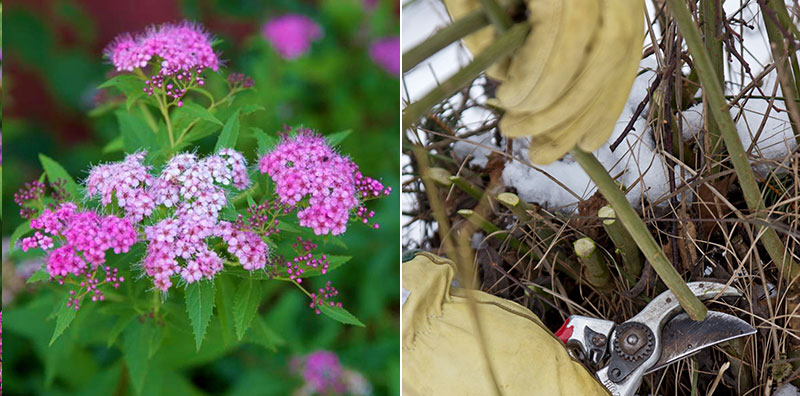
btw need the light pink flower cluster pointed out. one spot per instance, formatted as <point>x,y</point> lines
<point>127,181</point>
<point>194,189</point>
<point>83,237</point>
<point>175,47</point>
<point>303,166</point>
<point>180,51</point>
<point>292,34</point>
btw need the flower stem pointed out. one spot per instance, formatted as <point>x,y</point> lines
<point>497,15</point>
<point>162,105</point>
<point>712,31</point>
<point>504,45</point>
<point>444,37</point>
<point>719,109</point>
<point>633,223</point>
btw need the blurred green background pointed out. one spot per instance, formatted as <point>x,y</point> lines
<point>52,66</point>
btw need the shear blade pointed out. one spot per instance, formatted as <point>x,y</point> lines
<point>682,336</point>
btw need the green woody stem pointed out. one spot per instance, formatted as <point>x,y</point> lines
<point>504,45</point>
<point>633,223</point>
<point>719,109</point>
<point>595,268</point>
<point>455,31</point>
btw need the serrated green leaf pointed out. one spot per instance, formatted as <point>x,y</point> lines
<point>200,307</point>
<point>340,315</point>
<point>245,305</point>
<point>338,137</point>
<point>39,276</point>
<point>194,110</point>
<point>64,317</point>
<point>230,133</point>
<point>265,141</point>
<point>135,348</point>
<point>56,172</point>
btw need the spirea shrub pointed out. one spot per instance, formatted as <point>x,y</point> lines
<point>172,217</point>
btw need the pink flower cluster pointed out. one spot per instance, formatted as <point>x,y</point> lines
<point>323,296</point>
<point>175,47</point>
<point>180,51</point>
<point>303,166</point>
<point>386,53</point>
<point>305,260</point>
<point>322,372</point>
<point>194,189</point>
<point>83,237</point>
<point>126,181</point>
<point>86,237</point>
<point>292,34</point>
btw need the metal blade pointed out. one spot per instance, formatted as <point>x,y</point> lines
<point>682,337</point>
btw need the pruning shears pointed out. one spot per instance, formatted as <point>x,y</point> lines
<point>620,354</point>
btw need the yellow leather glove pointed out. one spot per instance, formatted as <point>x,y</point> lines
<point>568,83</point>
<point>442,353</point>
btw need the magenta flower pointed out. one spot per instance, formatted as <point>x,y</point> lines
<point>175,47</point>
<point>322,371</point>
<point>291,34</point>
<point>179,52</point>
<point>306,166</point>
<point>386,53</point>
<point>83,238</point>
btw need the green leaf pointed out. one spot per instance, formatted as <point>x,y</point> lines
<point>262,335</point>
<point>334,262</point>
<point>19,232</point>
<point>64,317</point>
<point>113,146</point>
<point>245,305</point>
<point>340,314</point>
<point>194,110</point>
<point>200,307</point>
<point>55,171</point>
<point>120,324</point>
<point>39,276</point>
<point>230,133</point>
<point>265,142</point>
<point>251,108</point>
<point>338,137</point>
<point>224,303</point>
<point>126,83</point>
<point>284,225</point>
<point>135,348</point>
<point>136,134</point>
